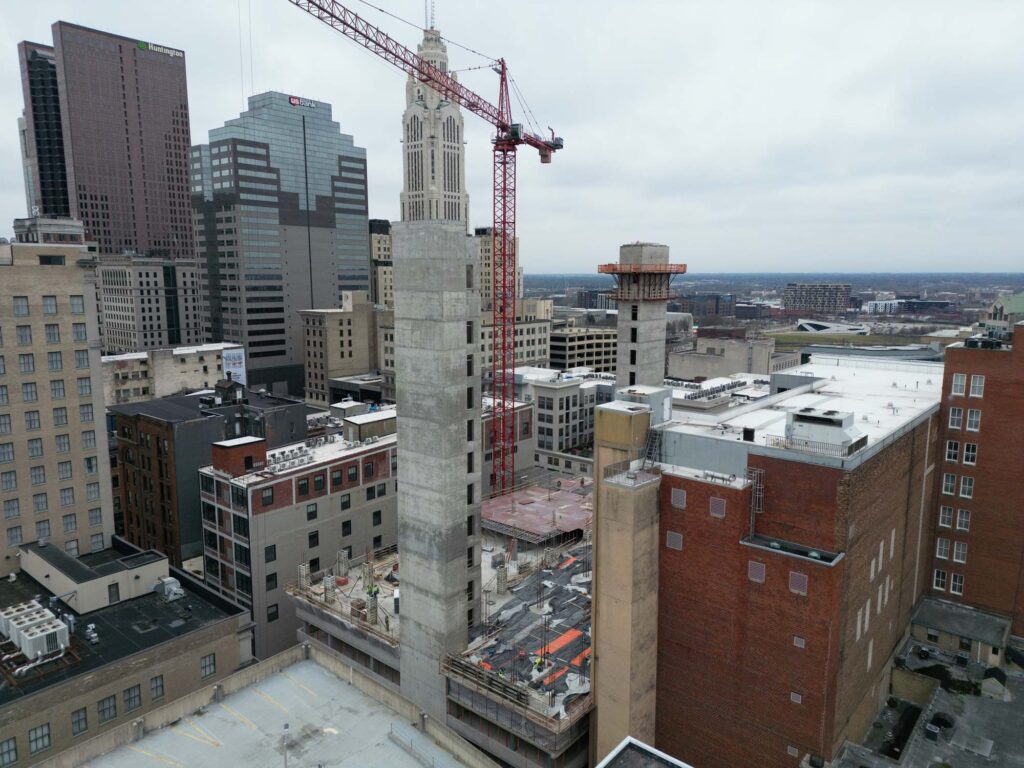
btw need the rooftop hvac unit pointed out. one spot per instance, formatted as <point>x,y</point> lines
<point>169,588</point>
<point>25,621</point>
<point>8,613</point>
<point>44,639</point>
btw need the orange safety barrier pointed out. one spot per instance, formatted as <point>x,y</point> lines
<point>559,642</point>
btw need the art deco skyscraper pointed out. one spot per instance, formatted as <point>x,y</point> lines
<point>434,181</point>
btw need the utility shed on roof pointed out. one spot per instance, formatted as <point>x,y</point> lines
<point>632,753</point>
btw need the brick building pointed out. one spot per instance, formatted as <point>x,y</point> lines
<point>790,550</point>
<point>160,444</point>
<point>308,503</point>
<point>976,521</point>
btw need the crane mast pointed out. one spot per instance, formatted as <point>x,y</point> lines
<point>508,136</point>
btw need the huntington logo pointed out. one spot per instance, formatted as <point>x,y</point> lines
<point>174,53</point>
<point>296,101</point>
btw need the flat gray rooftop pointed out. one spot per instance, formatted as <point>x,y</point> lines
<point>329,722</point>
<point>962,620</point>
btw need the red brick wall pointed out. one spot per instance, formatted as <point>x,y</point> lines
<point>727,662</point>
<point>233,458</point>
<point>800,502</point>
<point>994,571</point>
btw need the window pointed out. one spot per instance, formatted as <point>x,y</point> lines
<point>314,539</point>
<point>67,497</point>
<point>271,581</point>
<point>270,553</point>
<point>92,491</point>
<point>91,464</point>
<point>755,571</point>
<point>35,447</point>
<point>156,687</point>
<point>60,416</point>
<point>974,420</point>
<point>795,697</point>
<point>353,473</point>
<point>63,443</point>
<point>64,470</point>
<point>272,612</point>
<point>38,475</point>
<point>52,333</point>
<point>79,721</point>
<point>4,397</point>
<point>956,418</point>
<point>95,541</point>
<point>799,642</point>
<point>956,584</point>
<point>107,709</point>
<point>371,493</point>
<point>942,548</point>
<point>267,496</point>
<point>84,386</point>
<point>959,383</point>
<point>3,365</point>
<point>952,450</point>
<point>12,508</point>
<point>8,481</point>
<point>30,393</point>
<point>95,517</point>
<point>132,698</point>
<point>9,751</point>
<point>798,582</point>
<point>5,424</point>
<point>81,358</point>
<point>78,332</point>
<point>24,335</point>
<point>470,525</point>
<point>71,547</point>
<point>314,565</point>
<point>679,498</point>
<point>346,500</point>
<point>57,389</point>
<point>970,453</point>
<point>70,523</point>
<point>14,536</point>
<point>967,487</point>
<point>949,484</point>
<point>959,551</point>
<point>674,540</point>
<point>27,363</point>
<point>54,362</point>
<point>377,542</point>
<point>304,486</point>
<point>208,665</point>
<point>346,528</point>
<point>85,413</point>
<point>6,453</point>
<point>89,439</point>
<point>376,517</point>
<point>963,520</point>
<point>469,397</point>
<point>39,738</point>
<point>382,490</point>
<point>318,482</point>
<point>939,580</point>
<point>716,507</point>
<point>49,305</point>
<point>311,512</point>
<point>39,502</point>
<point>21,306</point>
<point>977,386</point>
<point>77,305</point>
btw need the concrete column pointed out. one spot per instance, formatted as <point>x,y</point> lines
<point>626,537</point>
<point>436,295</point>
<point>641,322</point>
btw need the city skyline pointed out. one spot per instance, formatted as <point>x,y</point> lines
<point>803,139</point>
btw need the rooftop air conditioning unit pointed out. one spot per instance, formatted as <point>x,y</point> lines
<point>44,639</point>
<point>19,624</point>
<point>8,613</point>
<point>169,588</point>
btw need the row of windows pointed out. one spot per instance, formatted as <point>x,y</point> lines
<point>966,485</point>
<point>50,305</point>
<point>54,361</point>
<point>30,390</point>
<point>970,453</point>
<point>959,550</point>
<point>23,334</point>
<point>963,518</point>
<point>956,582</point>
<point>956,419</point>
<point>960,385</point>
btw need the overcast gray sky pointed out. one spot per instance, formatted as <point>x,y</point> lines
<point>747,135</point>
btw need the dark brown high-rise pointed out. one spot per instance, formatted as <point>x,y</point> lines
<point>106,139</point>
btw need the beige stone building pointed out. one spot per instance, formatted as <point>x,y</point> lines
<point>382,273</point>
<point>147,303</point>
<point>54,470</point>
<point>582,347</point>
<point>102,641</point>
<point>133,377</point>
<point>485,244</point>
<point>713,357</point>
<point>338,342</point>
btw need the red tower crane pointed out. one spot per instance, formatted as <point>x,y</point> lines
<point>507,139</point>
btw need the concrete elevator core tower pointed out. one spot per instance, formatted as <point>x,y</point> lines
<point>643,279</point>
<point>437,372</point>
